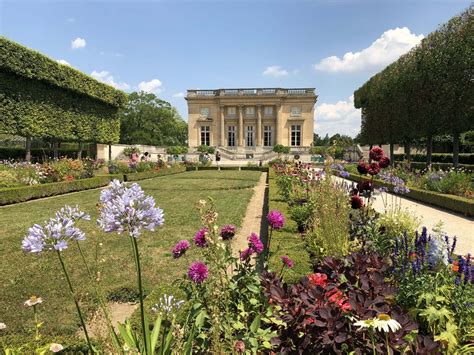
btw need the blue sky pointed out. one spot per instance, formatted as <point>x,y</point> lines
<point>167,47</point>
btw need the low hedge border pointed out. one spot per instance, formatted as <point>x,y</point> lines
<point>442,166</point>
<point>447,158</point>
<point>152,174</point>
<point>26,193</point>
<point>449,202</point>
<point>263,169</point>
<point>286,241</point>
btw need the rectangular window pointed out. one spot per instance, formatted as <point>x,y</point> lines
<point>295,135</point>
<point>204,111</point>
<point>268,111</point>
<point>267,136</point>
<point>231,136</point>
<point>231,111</point>
<point>205,135</point>
<point>296,111</point>
<point>250,136</point>
<point>250,111</point>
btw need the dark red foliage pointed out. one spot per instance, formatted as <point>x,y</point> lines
<point>374,168</point>
<point>362,167</point>
<point>376,153</point>
<point>384,162</point>
<point>317,325</point>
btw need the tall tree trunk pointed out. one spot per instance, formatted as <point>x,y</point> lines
<point>55,150</point>
<point>110,153</point>
<point>455,150</point>
<point>370,148</point>
<point>429,150</point>
<point>392,157</point>
<point>28,148</point>
<point>79,151</point>
<point>407,152</point>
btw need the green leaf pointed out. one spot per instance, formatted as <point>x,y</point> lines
<point>255,324</point>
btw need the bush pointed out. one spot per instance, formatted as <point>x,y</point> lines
<point>176,150</point>
<point>26,193</point>
<point>206,149</point>
<point>447,158</point>
<point>39,154</point>
<point>128,151</point>
<point>281,149</point>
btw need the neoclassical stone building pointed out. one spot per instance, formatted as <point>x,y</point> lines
<point>251,120</point>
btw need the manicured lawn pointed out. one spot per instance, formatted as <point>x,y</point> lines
<point>23,275</point>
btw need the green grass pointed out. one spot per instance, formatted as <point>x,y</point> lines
<point>22,275</point>
<point>286,241</point>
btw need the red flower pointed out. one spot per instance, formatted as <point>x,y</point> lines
<point>384,162</point>
<point>364,186</point>
<point>362,168</point>
<point>376,153</point>
<point>374,169</point>
<point>356,202</point>
<point>318,279</point>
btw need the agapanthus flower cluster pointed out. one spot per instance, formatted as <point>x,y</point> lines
<point>180,248</point>
<point>128,209</point>
<point>228,232</point>
<point>56,233</point>
<point>399,184</point>
<point>200,238</point>
<point>198,272</point>
<point>276,219</point>
<point>167,304</point>
<point>340,169</point>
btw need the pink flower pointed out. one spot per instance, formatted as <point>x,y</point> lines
<point>374,169</point>
<point>200,238</point>
<point>276,219</point>
<point>180,248</point>
<point>376,153</point>
<point>318,279</point>
<point>255,243</point>
<point>384,162</point>
<point>362,168</point>
<point>287,261</point>
<point>245,254</point>
<point>198,272</point>
<point>227,232</point>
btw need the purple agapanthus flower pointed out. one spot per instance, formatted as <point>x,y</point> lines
<point>227,232</point>
<point>180,248</point>
<point>287,261</point>
<point>200,238</point>
<point>276,219</point>
<point>246,254</point>
<point>198,272</point>
<point>128,209</point>
<point>255,243</point>
<point>56,233</point>
<point>344,174</point>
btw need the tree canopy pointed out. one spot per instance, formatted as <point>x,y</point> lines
<point>149,120</point>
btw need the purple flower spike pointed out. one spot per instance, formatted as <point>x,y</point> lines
<point>255,243</point>
<point>276,219</point>
<point>198,272</point>
<point>227,232</point>
<point>180,248</point>
<point>287,261</point>
<point>200,238</point>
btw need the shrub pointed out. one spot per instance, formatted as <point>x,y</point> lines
<point>128,151</point>
<point>281,149</point>
<point>206,149</point>
<point>176,150</point>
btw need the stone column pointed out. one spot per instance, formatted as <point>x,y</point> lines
<point>259,125</point>
<point>241,126</point>
<point>222,109</point>
<point>277,125</point>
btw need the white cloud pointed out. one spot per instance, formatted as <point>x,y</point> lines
<point>63,62</point>
<point>275,71</point>
<point>107,78</point>
<point>179,94</point>
<point>340,117</point>
<point>78,43</point>
<point>153,86</point>
<point>386,49</point>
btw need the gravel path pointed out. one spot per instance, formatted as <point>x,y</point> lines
<point>253,221</point>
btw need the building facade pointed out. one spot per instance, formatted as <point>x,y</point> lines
<point>246,120</point>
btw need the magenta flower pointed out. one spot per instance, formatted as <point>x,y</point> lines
<point>228,232</point>
<point>276,219</point>
<point>245,254</point>
<point>198,272</point>
<point>200,238</point>
<point>180,248</point>
<point>376,153</point>
<point>287,261</point>
<point>255,244</point>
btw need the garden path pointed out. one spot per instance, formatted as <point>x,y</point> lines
<point>453,224</point>
<point>254,220</point>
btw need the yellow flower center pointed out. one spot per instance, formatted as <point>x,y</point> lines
<point>33,298</point>
<point>383,316</point>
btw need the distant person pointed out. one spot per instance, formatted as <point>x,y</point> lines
<point>218,157</point>
<point>134,157</point>
<point>145,157</point>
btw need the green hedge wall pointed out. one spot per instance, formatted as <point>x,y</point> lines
<point>34,108</point>
<point>252,168</point>
<point>15,58</point>
<point>442,166</point>
<point>464,158</point>
<point>449,202</point>
<point>151,174</point>
<point>37,153</point>
<point>26,193</point>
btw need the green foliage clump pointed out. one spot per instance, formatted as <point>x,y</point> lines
<point>281,149</point>
<point>206,149</point>
<point>177,149</point>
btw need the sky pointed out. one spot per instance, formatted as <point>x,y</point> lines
<point>167,47</point>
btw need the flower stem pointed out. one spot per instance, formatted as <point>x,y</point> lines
<point>37,336</point>
<point>75,301</point>
<point>140,290</point>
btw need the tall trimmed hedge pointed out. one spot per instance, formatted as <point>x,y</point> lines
<point>42,98</point>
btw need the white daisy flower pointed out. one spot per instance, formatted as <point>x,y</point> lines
<point>383,322</point>
<point>33,301</point>
<point>368,323</point>
<point>3,326</point>
<point>55,347</point>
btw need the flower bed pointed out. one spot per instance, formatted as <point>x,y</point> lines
<point>175,169</point>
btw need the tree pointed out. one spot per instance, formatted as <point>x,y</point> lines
<point>149,120</point>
